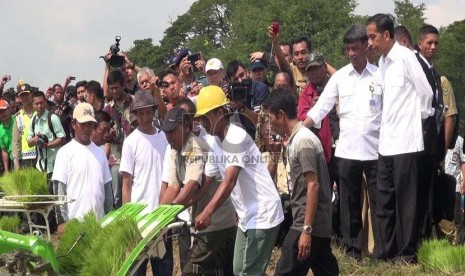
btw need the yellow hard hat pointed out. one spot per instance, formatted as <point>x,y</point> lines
<point>209,98</point>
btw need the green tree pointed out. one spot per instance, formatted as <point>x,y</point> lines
<point>450,61</point>
<point>233,29</point>
<point>410,16</point>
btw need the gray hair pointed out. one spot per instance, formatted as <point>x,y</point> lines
<point>355,33</point>
<point>144,70</point>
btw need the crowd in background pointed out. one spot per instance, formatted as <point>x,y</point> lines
<point>285,150</point>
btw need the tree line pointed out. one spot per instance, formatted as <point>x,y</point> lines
<point>229,30</point>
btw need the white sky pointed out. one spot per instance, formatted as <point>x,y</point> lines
<point>44,41</point>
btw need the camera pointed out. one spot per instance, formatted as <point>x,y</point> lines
<point>276,137</point>
<point>115,59</point>
<point>238,91</point>
<point>275,27</point>
<point>194,58</point>
<point>41,140</point>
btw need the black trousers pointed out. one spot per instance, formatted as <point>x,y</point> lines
<point>321,260</point>
<point>350,180</point>
<point>396,207</point>
<point>427,169</point>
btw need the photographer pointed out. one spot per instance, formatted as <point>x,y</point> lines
<point>247,105</point>
<point>45,132</point>
<point>148,81</point>
<point>64,103</point>
<point>115,58</point>
<point>191,71</point>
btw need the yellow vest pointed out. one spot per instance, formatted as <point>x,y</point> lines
<point>24,121</point>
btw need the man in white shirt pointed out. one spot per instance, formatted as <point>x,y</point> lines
<point>357,87</point>
<point>141,167</point>
<point>248,182</point>
<point>407,100</point>
<point>81,172</point>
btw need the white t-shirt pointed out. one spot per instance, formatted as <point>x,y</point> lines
<point>142,157</point>
<point>254,196</point>
<point>85,171</point>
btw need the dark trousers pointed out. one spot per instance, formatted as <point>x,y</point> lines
<point>321,259</point>
<point>160,267</point>
<point>396,207</point>
<point>427,169</point>
<point>350,180</point>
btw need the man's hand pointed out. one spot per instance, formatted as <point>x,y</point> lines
<point>61,229</point>
<point>256,56</point>
<point>200,65</point>
<point>185,66</point>
<point>195,89</point>
<point>237,105</point>
<point>273,37</point>
<point>5,79</point>
<point>202,221</point>
<point>305,243</point>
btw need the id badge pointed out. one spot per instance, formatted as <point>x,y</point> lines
<point>373,105</point>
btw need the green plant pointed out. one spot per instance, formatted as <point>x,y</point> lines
<point>27,181</point>
<point>111,246</point>
<point>441,256</point>
<point>10,223</point>
<point>84,230</point>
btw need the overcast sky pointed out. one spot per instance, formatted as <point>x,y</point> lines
<point>43,42</point>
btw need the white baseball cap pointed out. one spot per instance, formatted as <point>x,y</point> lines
<point>84,113</point>
<point>213,64</point>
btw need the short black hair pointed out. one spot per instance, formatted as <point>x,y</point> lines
<point>355,33</point>
<point>115,76</point>
<point>281,99</point>
<point>102,116</point>
<point>9,97</point>
<point>427,29</point>
<point>190,104</point>
<point>402,32</point>
<point>57,85</point>
<point>94,87</point>
<point>232,68</point>
<point>299,40</point>
<point>167,72</point>
<point>38,94</point>
<point>81,83</point>
<point>384,22</point>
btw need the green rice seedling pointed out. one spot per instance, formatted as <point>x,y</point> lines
<point>27,181</point>
<point>85,230</point>
<point>440,256</point>
<point>10,223</point>
<point>111,246</point>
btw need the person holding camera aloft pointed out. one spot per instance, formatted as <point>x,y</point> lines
<point>5,79</point>
<point>115,58</point>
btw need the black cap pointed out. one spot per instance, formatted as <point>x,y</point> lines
<point>173,118</point>
<point>24,88</point>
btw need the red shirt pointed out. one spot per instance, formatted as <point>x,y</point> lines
<point>324,133</point>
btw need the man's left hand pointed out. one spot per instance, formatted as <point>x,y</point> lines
<point>305,243</point>
<point>202,221</point>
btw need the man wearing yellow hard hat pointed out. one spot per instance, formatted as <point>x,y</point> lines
<point>246,180</point>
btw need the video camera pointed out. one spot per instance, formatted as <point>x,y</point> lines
<point>115,59</point>
<point>238,91</point>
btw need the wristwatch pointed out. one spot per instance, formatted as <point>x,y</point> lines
<point>308,229</point>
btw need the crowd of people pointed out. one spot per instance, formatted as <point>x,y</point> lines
<point>257,153</point>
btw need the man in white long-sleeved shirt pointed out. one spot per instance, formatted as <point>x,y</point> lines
<point>358,88</point>
<point>407,98</point>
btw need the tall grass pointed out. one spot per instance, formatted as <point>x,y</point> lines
<point>10,223</point>
<point>87,228</point>
<point>440,255</point>
<point>111,247</point>
<point>100,251</point>
<point>27,181</point>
